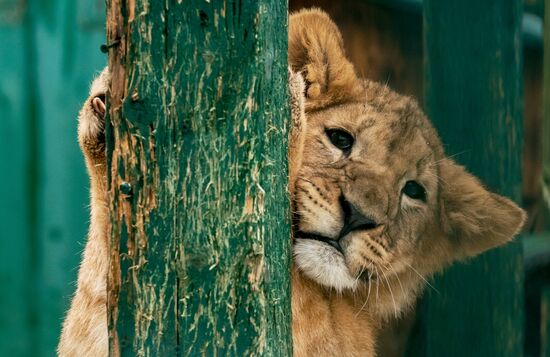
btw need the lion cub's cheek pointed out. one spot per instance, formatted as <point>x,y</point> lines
<point>365,252</point>
<point>318,208</point>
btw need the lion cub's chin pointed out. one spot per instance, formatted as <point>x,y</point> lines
<point>323,264</point>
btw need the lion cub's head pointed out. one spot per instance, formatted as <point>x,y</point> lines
<point>375,196</point>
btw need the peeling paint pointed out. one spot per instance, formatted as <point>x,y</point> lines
<point>204,239</point>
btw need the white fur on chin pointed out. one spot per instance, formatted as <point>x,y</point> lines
<point>323,264</point>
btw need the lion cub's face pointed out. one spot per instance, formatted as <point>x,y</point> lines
<point>375,195</point>
<point>366,191</point>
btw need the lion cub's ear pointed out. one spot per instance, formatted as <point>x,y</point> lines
<point>475,219</point>
<point>316,50</point>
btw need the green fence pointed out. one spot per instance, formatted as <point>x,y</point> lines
<point>49,50</point>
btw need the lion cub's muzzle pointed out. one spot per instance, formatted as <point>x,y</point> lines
<point>354,221</point>
<point>342,248</point>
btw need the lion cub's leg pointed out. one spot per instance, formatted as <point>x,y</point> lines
<point>85,327</point>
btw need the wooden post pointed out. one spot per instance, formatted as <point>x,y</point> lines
<point>474,97</point>
<point>197,149</point>
<point>545,181</point>
<point>545,322</point>
<point>545,290</point>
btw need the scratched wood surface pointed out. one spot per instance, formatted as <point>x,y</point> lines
<point>546,117</point>
<point>197,151</point>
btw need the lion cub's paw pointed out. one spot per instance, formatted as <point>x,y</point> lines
<point>91,120</point>
<point>297,130</point>
<point>297,99</point>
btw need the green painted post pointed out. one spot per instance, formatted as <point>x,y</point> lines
<point>474,98</point>
<point>545,291</point>
<point>197,147</point>
<point>545,322</point>
<point>545,181</point>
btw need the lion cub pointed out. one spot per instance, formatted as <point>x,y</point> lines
<point>378,208</point>
<point>377,205</point>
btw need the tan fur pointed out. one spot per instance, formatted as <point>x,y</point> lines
<point>381,270</point>
<point>85,328</point>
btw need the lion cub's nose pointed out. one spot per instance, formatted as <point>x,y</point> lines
<point>354,219</point>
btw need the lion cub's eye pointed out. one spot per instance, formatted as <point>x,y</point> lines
<point>341,139</point>
<point>414,190</point>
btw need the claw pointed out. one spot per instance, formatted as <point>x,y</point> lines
<point>98,103</point>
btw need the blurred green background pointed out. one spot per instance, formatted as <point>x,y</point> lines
<point>49,51</point>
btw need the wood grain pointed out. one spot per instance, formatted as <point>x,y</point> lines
<point>198,131</point>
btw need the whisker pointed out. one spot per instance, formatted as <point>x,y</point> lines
<point>377,282</point>
<point>391,292</point>
<point>359,275</point>
<point>450,157</point>
<point>368,295</point>
<point>421,277</point>
<point>390,269</point>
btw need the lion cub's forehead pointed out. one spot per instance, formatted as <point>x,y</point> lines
<point>402,131</point>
